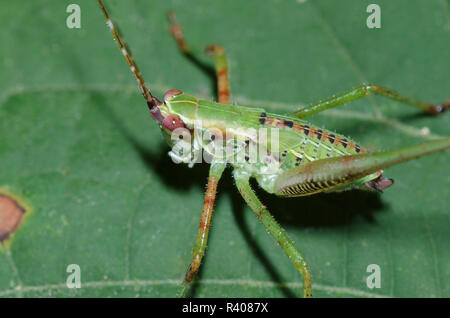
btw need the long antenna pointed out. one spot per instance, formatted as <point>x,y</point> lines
<point>151,100</point>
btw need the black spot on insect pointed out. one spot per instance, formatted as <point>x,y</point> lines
<point>262,118</point>
<point>331,138</point>
<point>284,153</point>
<point>213,137</point>
<point>247,158</point>
<point>306,129</point>
<point>298,160</point>
<point>289,123</point>
<point>357,148</point>
<point>344,142</point>
<point>319,133</point>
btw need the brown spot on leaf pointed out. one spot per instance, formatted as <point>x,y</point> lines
<point>11,214</point>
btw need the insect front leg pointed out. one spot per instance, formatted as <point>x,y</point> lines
<point>331,173</point>
<point>216,51</point>
<point>215,173</point>
<point>274,229</point>
<point>363,91</point>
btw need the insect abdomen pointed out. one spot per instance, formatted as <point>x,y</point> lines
<point>301,142</point>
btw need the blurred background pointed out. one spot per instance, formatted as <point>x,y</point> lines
<point>80,152</point>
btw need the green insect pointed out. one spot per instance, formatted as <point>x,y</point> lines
<point>293,159</point>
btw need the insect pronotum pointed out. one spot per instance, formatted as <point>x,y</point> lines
<point>301,160</point>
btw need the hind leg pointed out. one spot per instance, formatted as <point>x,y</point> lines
<point>275,230</point>
<point>363,91</point>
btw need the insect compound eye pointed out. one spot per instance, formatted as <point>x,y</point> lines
<point>171,94</point>
<point>172,122</point>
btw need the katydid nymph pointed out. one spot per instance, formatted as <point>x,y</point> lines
<point>299,160</point>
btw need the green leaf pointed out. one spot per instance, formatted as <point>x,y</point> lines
<point>80,151</point>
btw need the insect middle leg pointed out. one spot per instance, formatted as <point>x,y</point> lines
<point>215,173</point>
<point>216,51</point>
<point>363,91</point>
<point>275,230</point>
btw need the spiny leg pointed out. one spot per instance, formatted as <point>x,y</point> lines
<point>327,174</point>
<point>363,91</point>
<point>274,229</point>
<point>216,51</point>
<point>215,173</point>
